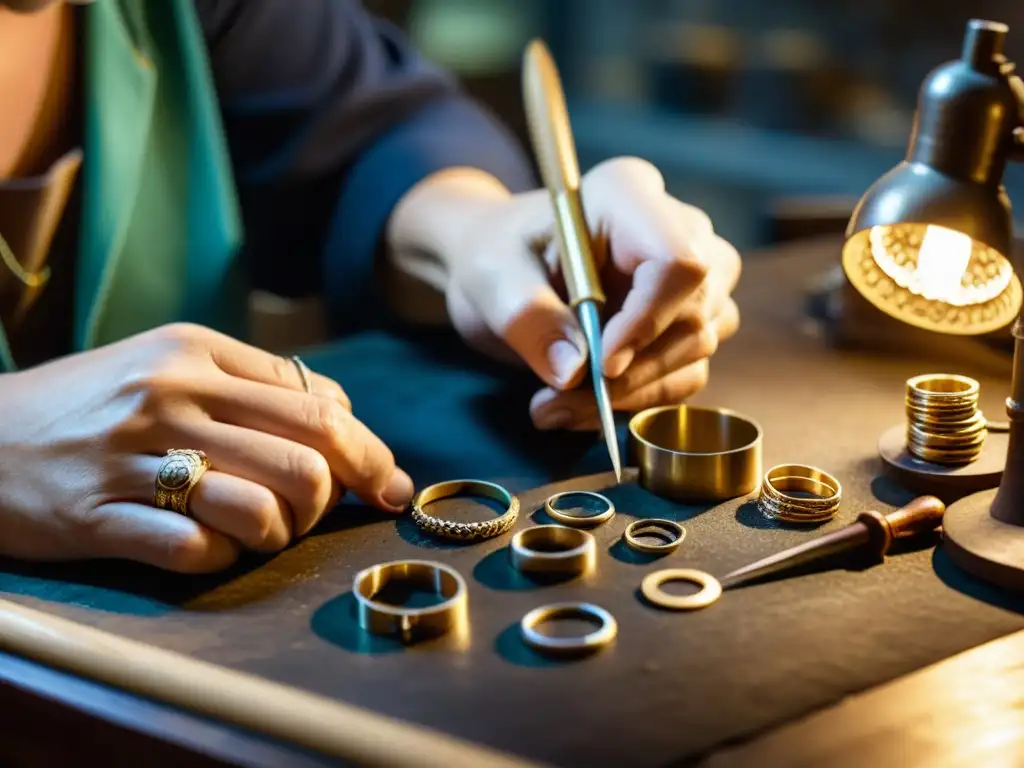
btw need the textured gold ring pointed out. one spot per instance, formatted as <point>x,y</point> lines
<point>304,373</point>
<point>179,472</point>
<point>710,589</point>
<point>607,629</point>
<point>412,623</point>
<point>452,529</point>
<point>671,531</point>
<point>553,549</point>
<point>820,494</point>
<point>579,521</point>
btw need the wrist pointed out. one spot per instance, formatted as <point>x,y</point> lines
<point>429,224</point>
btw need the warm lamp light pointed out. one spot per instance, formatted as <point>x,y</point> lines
<point>930,244</point>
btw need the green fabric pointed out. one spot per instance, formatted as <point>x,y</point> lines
<point>160,228</point>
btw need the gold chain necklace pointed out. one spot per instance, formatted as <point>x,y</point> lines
<point>30,279</point>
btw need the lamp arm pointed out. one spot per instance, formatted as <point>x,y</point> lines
<point>1017,86</point>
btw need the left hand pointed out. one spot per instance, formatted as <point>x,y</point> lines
<point>667,277</point>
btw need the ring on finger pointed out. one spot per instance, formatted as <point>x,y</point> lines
<point>179,472</point>
<point>304,373</point>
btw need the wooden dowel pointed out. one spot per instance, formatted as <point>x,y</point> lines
<point>290,714</point>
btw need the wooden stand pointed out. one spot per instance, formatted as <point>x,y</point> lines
<point>949,483</point>
<point>983,545</point>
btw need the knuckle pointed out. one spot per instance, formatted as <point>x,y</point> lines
<point>186,551</point>
<point>707,342</point>
<point>311,473</point>
<point>264,512</point>
<point>328,417</point>
<point>618,169</point>
<point>181,334</point>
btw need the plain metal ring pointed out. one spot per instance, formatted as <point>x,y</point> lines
<point>568,646</point>
<point>569,551</point>
<point>304,373</point>
<point>710,589</point>
<point>638,527</point>
<point>411,623</point>
<point>579,521</point>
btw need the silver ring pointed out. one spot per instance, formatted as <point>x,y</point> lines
<point>412,623</point>
<point>565,550</point>
<point>451,529</point>
<point>579,521</point>
<point>710,589</point>
<point>304,373</point>
<point>568,646</point>
<point>640,527</point>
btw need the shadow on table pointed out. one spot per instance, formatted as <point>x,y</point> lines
<point>122,587</point>
<point>962,582</point>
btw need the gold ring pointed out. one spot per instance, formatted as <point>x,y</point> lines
<point>411,623</point>
<point>568,646</point>
<point>676,534</point>
<point>553,549</point>
<point>304,373</point>
<point>710,589</point>
<point>579,521</point>
<point>820,492</point>
<point>451,529</point>
<point>179,472</point>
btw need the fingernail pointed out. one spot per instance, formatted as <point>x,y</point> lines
<point>618,363</point>
<point>399,490</point>
<point>556,419</point>
<point>565,360</point>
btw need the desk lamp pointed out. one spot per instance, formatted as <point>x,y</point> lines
<point>929,244</point>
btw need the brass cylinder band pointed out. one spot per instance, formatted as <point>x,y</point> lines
<point>452,529</point>
<point>710,589</point>
<point>672,533</point>
<point>411,624</point>
<point>557,511</point>
<point>686,453</point>
<point>607,629</point>
<point>819,499</point>
<point>553,549</point>
<point>944,425</point>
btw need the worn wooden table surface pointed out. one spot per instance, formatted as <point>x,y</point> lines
<point>962,711</point>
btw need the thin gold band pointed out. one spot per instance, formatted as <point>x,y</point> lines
<point>676,534</point>
<point>579,521</point>
<point>568,646</point>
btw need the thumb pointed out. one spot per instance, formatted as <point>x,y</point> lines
<point>513,296</point>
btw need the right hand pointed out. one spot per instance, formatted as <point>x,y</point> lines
<point>82,438</point>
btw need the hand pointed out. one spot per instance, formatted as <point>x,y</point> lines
<point>83,437</point>
<point>667,276</point>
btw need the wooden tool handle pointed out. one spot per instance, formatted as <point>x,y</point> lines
<point>919,516</point>
<point>555,151</point>
<point>339,730</point>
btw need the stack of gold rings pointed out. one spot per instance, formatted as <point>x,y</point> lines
<point>819,498</point>
<point>944,425</point>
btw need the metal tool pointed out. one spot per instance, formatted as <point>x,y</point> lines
<point>555,151</point>
<point>871,529</point>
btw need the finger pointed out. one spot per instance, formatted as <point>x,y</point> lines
<point>166,540</point>
<point>513,294</point>
<point>580,412</point>
<point>295,472</point>
<point>248,512</point>
<point>723,275</point>
<point>682,344</point>
<point>727,322</point>
<point>352,453</point>
<point>243,361</point>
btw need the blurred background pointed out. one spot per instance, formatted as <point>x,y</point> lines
<point>771,116</point>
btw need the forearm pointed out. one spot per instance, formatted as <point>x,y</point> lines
<point>423,235</point>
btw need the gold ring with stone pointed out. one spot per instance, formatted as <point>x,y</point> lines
<point>304,373</point>
<point>179,472</point>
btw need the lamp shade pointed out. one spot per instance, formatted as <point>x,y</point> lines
<point>929,242</point>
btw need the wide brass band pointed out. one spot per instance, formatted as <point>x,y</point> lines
<point>411,624</point>
<point>686,453</point>
<point>452,529</point>
<point>819,494</point>
<point>553,549</point>
<point>568,646</point>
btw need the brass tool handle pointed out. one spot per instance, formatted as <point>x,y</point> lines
<point>555,151</point>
